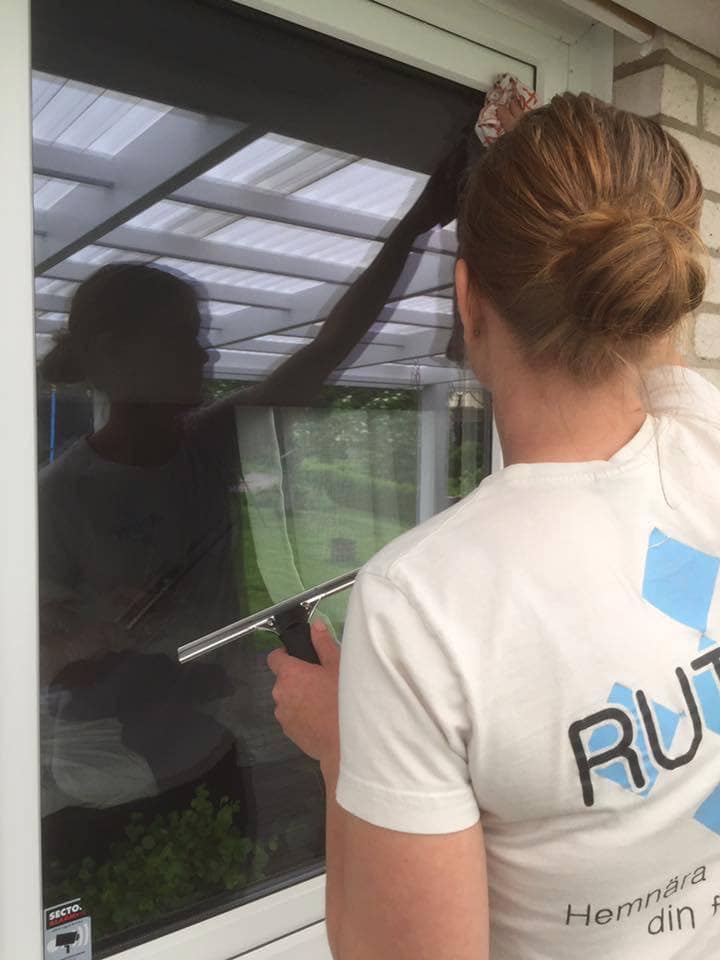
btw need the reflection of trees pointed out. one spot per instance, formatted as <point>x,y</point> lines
<point>326,430</point>
<point>469,455</point>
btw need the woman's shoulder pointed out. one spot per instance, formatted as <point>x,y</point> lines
<point>503,531</point>
<point>470,530</point>
<point>72,461</point>
<point>682,392</point>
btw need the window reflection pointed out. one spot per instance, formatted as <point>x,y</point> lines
<point>185,508</point>
<point>196,466</point>
<point>138,530</point>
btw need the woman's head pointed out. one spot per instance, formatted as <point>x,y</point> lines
<point>579,229</point>
<point>132,333</point>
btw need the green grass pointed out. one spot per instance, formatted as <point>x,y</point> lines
<point>311,534</point>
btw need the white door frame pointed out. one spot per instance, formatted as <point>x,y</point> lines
<point>468,40</point>
<point>463,40</point>
<point>20,898</point>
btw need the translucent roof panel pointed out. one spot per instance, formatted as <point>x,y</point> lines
<point>271,307</point>
<point>424,304</point>
<point>397,329</point>
<point>61,288</point>
<point>57,104</point>
<point>279,338</point>
<point>297,241</point>
<point>278,163</point>
<point>44,88</point>
<point>435,360</point>
<point>236,277</point>
<point>228,323</point>
<point>219,309</point>
<point>47,321</point>
<point>99,255</point>
<point>47,191</point>
<point>184,219</point>
<point>139,116</point>
<point>85,117</point>
<point>241,349</point>
<point>369,187</point>
<point>443,239</point>
<point>50,192</point>
<point>44,342</point>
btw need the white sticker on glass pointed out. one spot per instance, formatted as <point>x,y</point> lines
<point>67,932</point>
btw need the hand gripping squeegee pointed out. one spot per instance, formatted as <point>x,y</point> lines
<point>289,619</point>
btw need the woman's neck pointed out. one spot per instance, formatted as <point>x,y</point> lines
<point>545,419</point>
<point>139,435</point>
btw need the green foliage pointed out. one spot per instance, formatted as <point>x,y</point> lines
<point>218,389</point>
<point>164,865</point>
<point>378,441</point>
<point>346,486</point>
<point>359,398</point>
<point>466,467</point>
<point>330,397</point>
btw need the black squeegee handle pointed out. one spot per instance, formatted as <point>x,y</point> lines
<point>293,628</point>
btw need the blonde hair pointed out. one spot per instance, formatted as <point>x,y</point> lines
<point>581,226</point>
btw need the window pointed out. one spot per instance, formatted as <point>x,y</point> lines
<point>208,194</point>
<point>190,56</point>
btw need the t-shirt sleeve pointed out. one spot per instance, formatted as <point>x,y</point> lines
<point>404,723</point>
<point>680,391</point>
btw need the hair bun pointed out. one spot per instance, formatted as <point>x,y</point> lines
<point>580,225</point>
<point>627,275</point>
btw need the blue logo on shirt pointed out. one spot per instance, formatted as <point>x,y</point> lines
<point>631,739</point>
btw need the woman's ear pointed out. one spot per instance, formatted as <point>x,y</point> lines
<point>466,308</point>
<point>476,316</point>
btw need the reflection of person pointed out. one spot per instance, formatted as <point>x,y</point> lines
<point>153,469</point>
<point>136,523</point>
<point>528,683</point>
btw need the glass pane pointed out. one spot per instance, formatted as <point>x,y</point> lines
<point>235,370</point>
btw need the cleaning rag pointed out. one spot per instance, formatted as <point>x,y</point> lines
<point>488,128</point>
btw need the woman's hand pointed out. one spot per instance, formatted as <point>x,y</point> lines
<point>509,114</point>
<point>306,696</point>
<point>437,204</point>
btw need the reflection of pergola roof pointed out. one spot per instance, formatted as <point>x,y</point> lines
<point>274,229</point>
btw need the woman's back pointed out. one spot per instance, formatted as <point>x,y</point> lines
<point>532,678</point>
<point>572,665</point>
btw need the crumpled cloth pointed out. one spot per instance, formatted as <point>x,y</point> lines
<point>487,127</point>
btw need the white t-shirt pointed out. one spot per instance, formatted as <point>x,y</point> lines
<point>544,656</point>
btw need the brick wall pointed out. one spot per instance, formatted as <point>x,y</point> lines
<point>679,85</point>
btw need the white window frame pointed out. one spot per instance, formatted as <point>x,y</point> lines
<point>467,40</point>
<point>464,40</point>
<point>20,898</point>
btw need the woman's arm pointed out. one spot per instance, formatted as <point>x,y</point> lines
<point>299,378</point>
<point>302,375</point>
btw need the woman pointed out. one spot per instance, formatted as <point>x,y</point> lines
<point>528,755</point>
